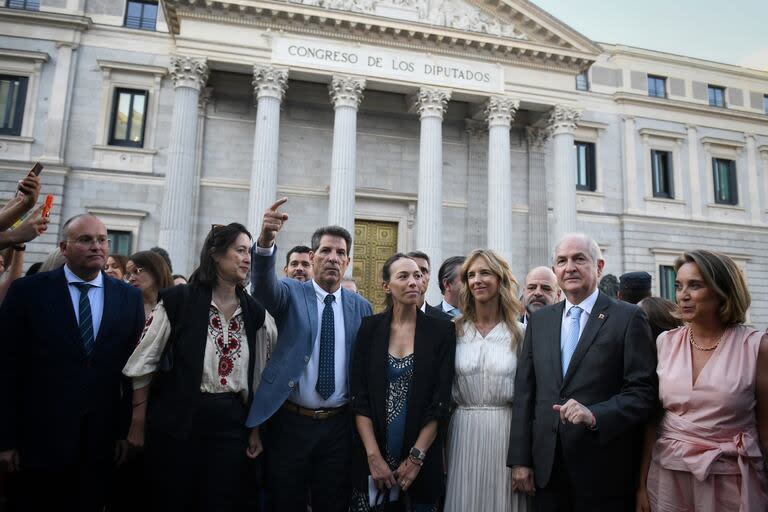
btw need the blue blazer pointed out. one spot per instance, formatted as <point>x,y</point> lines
<point>51,392</point>
<point>293,304</point>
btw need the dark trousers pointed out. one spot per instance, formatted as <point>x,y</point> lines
<point>204,469</point>
<point>82,485</point>
<point>306,456</point>
<point>560,495</point>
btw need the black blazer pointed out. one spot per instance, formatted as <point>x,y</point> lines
<point>436,312</point>
<point>49,388</point>
<point>430,394</point>
<point>612,371</point>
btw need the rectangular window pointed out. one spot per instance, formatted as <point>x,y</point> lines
<point>716,96</point>
<point>585,166</point>
<point>765,103</point>
<point>667,276</point>
<point>726,191</point>
<point>13,95</point>
<point>119,242</point>
<point>30,5</point>
<point>661,168</point>
<point>141,14</point>
<point>582,81</point>
<point>128,118</point>
<point>657,86</point>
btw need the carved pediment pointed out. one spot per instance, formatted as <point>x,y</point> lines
<point>456,14</point>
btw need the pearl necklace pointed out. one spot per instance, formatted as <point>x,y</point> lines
<point>699,347</point>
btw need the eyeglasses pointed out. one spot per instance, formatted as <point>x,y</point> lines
<point>136,272</point>
<point>87,241</point>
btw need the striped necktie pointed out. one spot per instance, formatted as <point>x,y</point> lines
<point>86,318</point>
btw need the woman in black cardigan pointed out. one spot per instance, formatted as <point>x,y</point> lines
<point>193,374</point>
<point>400,384</point>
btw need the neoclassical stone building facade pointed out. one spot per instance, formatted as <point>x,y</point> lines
<point>439,125</point>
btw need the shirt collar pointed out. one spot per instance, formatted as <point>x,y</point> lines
<point>447,308</point>
<point>98,282</point>
<point>586,305</point>
<point>321,294</point>
<point>423,307</point>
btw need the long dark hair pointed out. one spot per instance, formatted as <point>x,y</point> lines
<point>216,243</point>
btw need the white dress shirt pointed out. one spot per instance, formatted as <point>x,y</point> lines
<point>447,308</point>
<point>95,296</point>
<point>586,305</point>
<point>305,393</point>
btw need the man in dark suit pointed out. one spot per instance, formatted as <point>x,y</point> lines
<point>585,386</point>
<point>449,279</point>
<point>425,265</point>
<point>67,335</point>
<point>304,389</point>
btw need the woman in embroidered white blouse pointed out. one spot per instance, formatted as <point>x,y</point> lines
<point>193,374</point>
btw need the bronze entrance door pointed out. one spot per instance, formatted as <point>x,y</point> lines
<point>374,242</point>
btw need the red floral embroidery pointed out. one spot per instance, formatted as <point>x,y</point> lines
<point>146,326</point>
<point>229,349</point>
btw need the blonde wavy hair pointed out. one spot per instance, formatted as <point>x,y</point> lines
<point>509,305</point>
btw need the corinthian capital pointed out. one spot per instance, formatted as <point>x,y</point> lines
<point>432,102</point>
<point>563,119</point>
<point>501,110</point>
<point>346,91</point>
<point>188,71</point>
<point>536,137</point>
<point>269,81</point>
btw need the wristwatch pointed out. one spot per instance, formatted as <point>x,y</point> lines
<point>418,454</point>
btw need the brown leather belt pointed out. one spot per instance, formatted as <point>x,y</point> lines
<point>318,414</point>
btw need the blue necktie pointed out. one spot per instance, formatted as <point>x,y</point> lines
<point>568,345</point>
<point>326,378</point>
<point>454,312</point>
<point>86,318</point>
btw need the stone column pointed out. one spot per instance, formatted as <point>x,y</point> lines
<point>500,111</point>
<point>61,91</point>
<point>562,123</point>
<point>202,107</point>
<point>694,174</point>
<point>269,86</point>
<point>631,191</point>
<point>346,94</point>
<point>431,104</point>
<point>753,183</point>
<point>539,250</point>
<point>189,76</point>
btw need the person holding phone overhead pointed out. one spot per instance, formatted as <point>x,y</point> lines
<point>12,214</point>
<point>304,386</point>
<point>400,384</point>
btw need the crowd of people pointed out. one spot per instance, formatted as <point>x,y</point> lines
<point>126,387</point>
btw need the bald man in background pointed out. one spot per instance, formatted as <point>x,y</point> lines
<point>540,289</point>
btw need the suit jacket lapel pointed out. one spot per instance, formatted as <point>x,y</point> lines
<point>110,303</point>
<point>311,299</point>
<point>347,306</point>
<point>379,365</point>
<point>68,311</point>
<point>596,320</point>
<point>553,334</point>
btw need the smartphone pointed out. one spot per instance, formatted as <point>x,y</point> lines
<point>34,171</point>
<point>47,206</point>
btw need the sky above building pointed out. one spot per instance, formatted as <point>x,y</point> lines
<point>733,32</point>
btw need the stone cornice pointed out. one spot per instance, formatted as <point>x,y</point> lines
<point>24,55</point>
<point>662,134</point>
<point>46,18</point>
<point>363,28</point>
<point>688,107</point>
<point>129,66</point>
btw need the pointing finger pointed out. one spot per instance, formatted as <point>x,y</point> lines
<point>277,204</point>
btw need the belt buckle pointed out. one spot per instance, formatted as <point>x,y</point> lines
<point>320,414</point>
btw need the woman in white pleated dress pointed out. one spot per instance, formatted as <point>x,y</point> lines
<point>488,340</point>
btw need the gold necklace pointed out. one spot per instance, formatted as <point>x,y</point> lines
<point>699,347</point>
